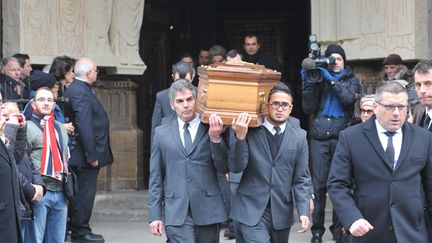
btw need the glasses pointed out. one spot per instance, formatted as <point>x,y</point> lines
<point>284,105</point>
<point>366,111</point>
<point>42,100</point>
<point>392,107</point>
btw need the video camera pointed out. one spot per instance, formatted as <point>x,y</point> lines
<point>315,60</point>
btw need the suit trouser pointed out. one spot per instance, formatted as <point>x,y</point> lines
<point>234,182</point>
<point>81,205</point>
<point>189,232</point>
<point>263,231</point>
<point>322,154</point>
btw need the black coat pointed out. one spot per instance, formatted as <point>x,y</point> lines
<point>362,183</point>
<point>313,98</point>
<point>9,199</point>
<point>7,85</point>
<point>27,173</point>
<point>91,140</point>
<point>261,58</point>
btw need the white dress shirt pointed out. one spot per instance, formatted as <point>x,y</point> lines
<point>193,127</point>
<point>270,127</point>
<point>397,140</point>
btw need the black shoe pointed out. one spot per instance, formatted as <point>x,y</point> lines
<point>229,234</point>
<point>316,238</point>
<point>90,238</point>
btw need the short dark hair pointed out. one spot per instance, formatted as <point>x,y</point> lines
<point>180,85</point>
<point>279,87</point>
<point>423,66</point>
<point>183,68</point>
<point>392,87</point>
<point>233,53</point>
<point>60,66</point>
<point>251,35</point>
<point>21,57</point>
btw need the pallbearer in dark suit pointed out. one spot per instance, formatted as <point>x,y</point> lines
<point>423,86</point>
<point>274,161</point>
<point>184,195</point>
<point>381,174</point>
<point>90,147</point>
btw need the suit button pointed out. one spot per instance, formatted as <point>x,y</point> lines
<point>328,133</point>
<point>328,119</point>
<point>390,227</point>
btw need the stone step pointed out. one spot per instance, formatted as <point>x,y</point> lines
<point>120,215</point>
<point>129,206</point>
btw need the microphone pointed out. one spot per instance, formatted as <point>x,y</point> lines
<point>308,63</point>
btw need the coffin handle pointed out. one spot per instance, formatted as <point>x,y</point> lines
<point>203,95</point>
<point>261,97</point>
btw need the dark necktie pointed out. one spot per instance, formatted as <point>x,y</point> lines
<point>187,138</point>
<point>390,149</point>
<point>426,121</point>
<point>277,129</point>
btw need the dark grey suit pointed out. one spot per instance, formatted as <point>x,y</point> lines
<point>184,185</point>
<point>162,110</point>
<point>270,182</point>
<point>391,200</point>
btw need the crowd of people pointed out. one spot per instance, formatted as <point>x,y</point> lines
<point>54,140</point>
<point>370,153</point>
<point>375,166</point>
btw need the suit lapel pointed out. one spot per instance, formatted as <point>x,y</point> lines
<point>173,129</point>
<point>202,129</point>
<point>371,133</point>
<point>285,140</point>
<point>407,138</point>
<point>262,137</point>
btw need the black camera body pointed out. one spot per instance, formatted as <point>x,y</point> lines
<point>316,60</point>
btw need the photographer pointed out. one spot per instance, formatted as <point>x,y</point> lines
<point>328,94</point>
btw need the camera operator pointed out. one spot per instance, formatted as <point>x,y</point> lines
<point>328,94</point>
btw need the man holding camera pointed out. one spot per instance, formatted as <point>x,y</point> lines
<point>328,94</point>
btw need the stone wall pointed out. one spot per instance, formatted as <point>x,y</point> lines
<point>105,30</point>
<point>372,29</point>
<point>126,173</point>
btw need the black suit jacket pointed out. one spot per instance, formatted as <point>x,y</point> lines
<point>391,200</point>
<point>9,198</point>
<point>91,141</point>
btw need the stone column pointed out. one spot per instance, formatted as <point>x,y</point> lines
<point>119,100</point>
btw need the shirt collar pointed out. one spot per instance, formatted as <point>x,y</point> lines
<point>429,112</point>
<point>193,124</point>
<point>270,126</point>
<point>381,129</point>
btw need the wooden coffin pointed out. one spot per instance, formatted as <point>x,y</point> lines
<point>229,90</point>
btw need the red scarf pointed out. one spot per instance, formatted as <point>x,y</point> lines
<point>52,153</point>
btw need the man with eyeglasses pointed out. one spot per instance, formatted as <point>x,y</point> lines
<point>274,162</point>
<point>90,148</point>
<point>331,104</point>
<point>422,113</point>
<point>381,173</point>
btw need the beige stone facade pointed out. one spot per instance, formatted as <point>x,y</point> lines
<point>106,30</point>
<point>371,29</point>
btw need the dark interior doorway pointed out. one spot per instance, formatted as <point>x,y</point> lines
<point>171,28</point>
